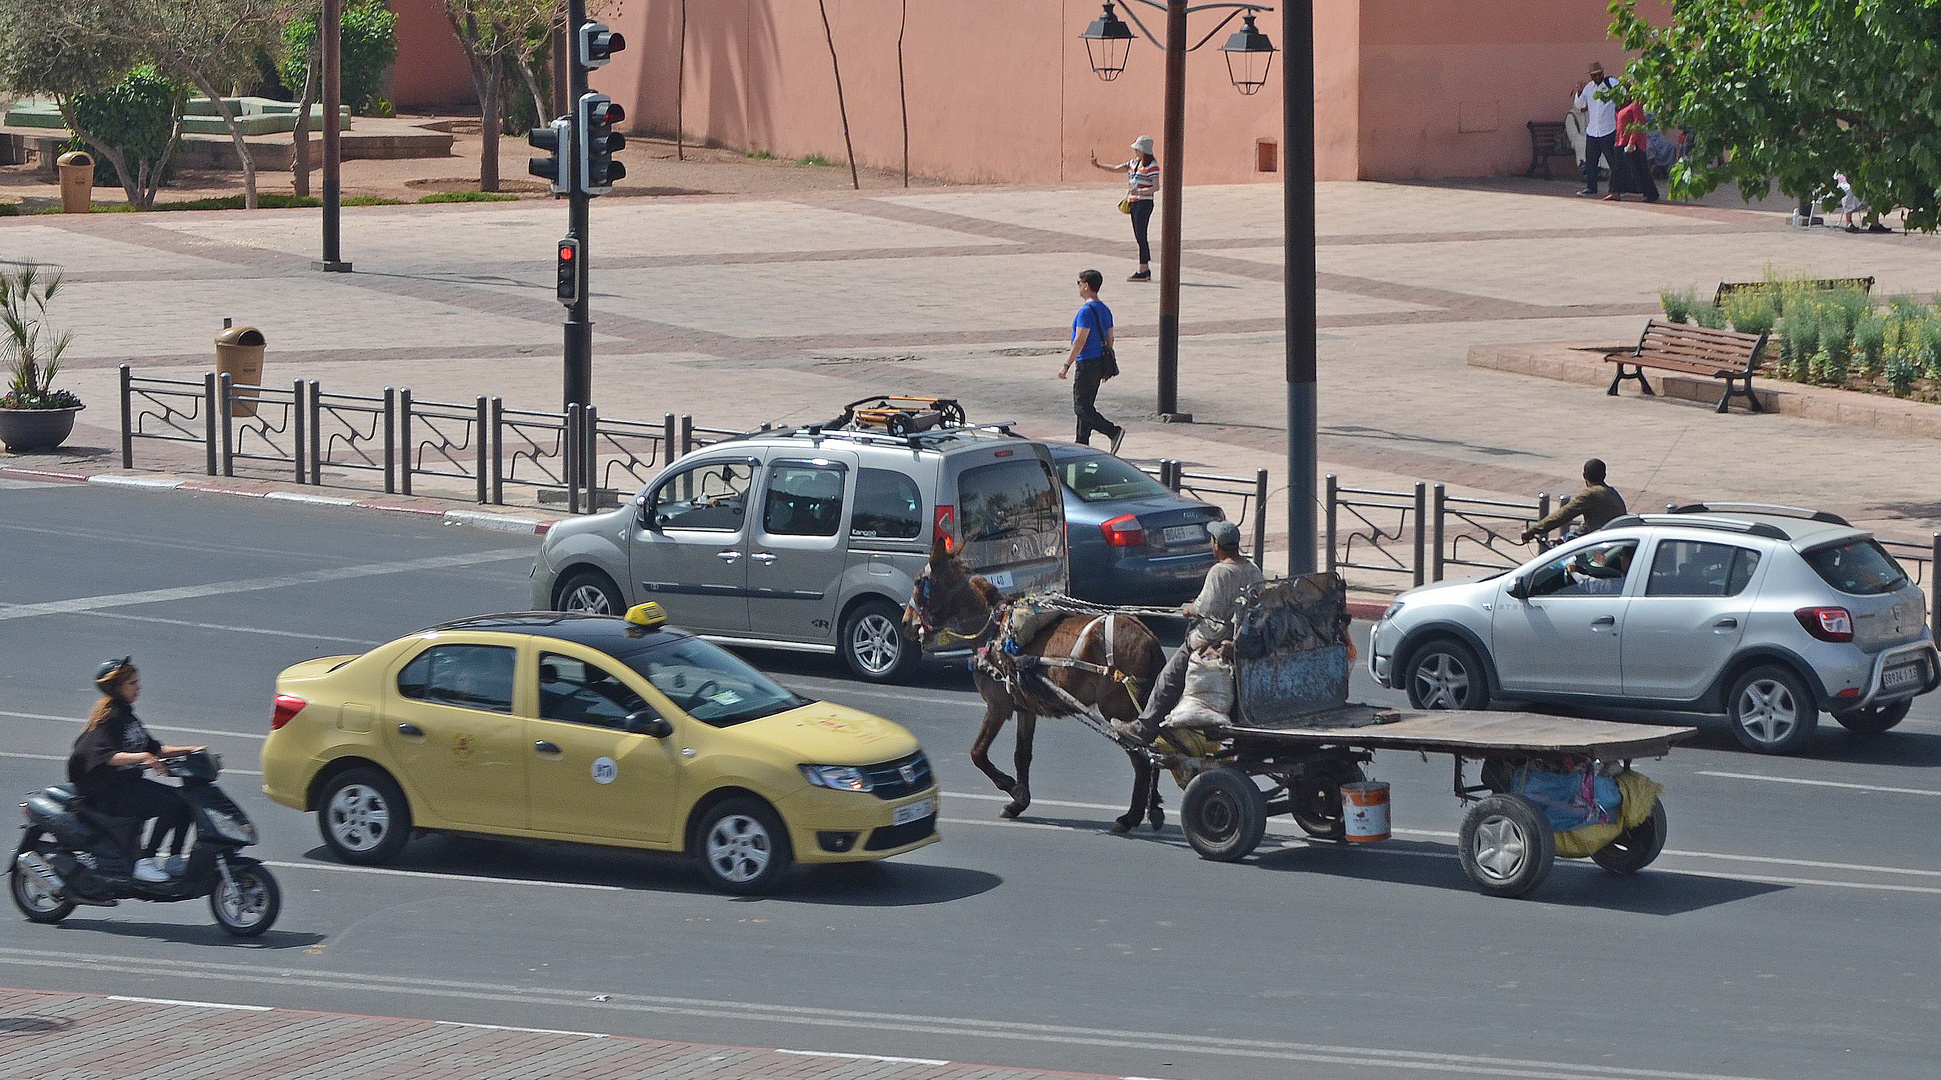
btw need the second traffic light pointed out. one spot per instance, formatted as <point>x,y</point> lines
<point>557,140</point>
<point>597,114</point>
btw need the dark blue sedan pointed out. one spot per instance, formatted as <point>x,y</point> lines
<point>1132,540</point>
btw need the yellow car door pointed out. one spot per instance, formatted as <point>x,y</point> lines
<point>590,777</point>
<point>459,745</point>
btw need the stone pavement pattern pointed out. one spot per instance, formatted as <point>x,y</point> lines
<point>88,1037</point>
<point>745,309</point>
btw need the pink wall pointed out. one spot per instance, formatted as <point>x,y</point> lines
<point>431,74</point>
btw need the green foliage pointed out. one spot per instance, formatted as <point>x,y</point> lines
<point>814,159</point>
<point>1750,312</point>
<point>1788,91</point>
<point>370,44</point>
<point>469,196</point>
<point>1678,305</point>
<point>136,116</point>
<point>1929,348</point>
<point>1902,370</point>
<point>8,209</point>
<point>763,155</point>
<point>1708,316</point>
<point>1869,336</point>
<point>32,350</point>
<point>39,54</point>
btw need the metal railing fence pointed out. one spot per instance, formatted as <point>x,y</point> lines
<point>1251,491</point>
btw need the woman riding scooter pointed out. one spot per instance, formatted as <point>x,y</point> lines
<point>107,762</point>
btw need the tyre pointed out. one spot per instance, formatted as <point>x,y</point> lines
<point>248,902</point>
<point>1315,799</point>
<point>1874,719</point>
<point>742,847</point>
<point>1223,814</point>
<point>873,643</point>
<point>363,817</point>
<point>1506,845</point>
<point>590,591</point>
<point>1771,710</point>
<point>1635,848</point>
<point>32,896</point>
<point>1445,674</point>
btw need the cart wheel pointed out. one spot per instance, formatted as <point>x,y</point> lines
<point>1506,845</point>
<point>1635,848</point>
<point>1223,814</point>
<point>1314,799</point>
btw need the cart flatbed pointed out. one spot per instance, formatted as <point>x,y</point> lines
<point>1481,734</point>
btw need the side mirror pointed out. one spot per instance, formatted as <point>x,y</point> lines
<point>1520,587</point>
<point>649,723</point>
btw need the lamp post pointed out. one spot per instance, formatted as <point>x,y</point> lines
<point>1108,41</point>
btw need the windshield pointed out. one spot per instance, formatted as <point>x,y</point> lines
<point>1101,477</point>
<point>710,683</point>
<point>1857,568</point>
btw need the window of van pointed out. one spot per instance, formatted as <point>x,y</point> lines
<point>888,506</point>
<point>1008,499</point>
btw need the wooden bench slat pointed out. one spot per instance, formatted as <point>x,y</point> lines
<point>1693,350</point>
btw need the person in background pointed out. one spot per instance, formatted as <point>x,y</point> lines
<point>1142,182</point>
<point>1600,126</point>
<point>1631,150</point>
<point>1091,336</point>
<point>1597,504</point>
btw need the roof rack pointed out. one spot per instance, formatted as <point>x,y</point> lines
<point>915,440</point>
<point>1803,514</point>
<point>1677,517</point>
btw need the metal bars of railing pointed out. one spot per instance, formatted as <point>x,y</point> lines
<point>1411,514</point>
<point>1482,517</point>
<point>346,429</point>
<point>166,410</point>
<point>445,439</point>
<point>248,433</point>
<point>535,456</point>
<point>1251,491</point>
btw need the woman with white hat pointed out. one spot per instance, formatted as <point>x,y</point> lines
<point>1142,183</point>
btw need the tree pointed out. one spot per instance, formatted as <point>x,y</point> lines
<point>135,124</point>
<point>1787,92</point>
<point>494,34</point>
<point>37,58</point>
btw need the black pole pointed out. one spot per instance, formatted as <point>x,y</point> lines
<point>1170,188</point>
<point>579,329</point>
<point>1297,135</point>
<point>333,158</point>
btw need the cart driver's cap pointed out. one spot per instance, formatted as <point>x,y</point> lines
<point>1224,533</point>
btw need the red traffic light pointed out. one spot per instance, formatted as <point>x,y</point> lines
<point>567,251</point>
<point>605,112</point>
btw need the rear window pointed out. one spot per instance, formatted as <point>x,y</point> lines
<point>1008,499</point>
<point>1857,568</point>
<point>888,506</point>
<point>1103,478</point>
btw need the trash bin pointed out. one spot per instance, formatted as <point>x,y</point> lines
<point>239,355</point>
<point>77,182</point>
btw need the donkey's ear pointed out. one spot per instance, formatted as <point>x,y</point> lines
<point>940,554</point>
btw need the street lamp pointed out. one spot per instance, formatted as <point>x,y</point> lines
<point>1108,40</point>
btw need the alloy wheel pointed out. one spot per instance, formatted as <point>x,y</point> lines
<point>1444,682</point>
<point>1768,711</point>
<point>589,599</point>
<point>877,643</point>
<point>739,848</point>
<point>358,817</point>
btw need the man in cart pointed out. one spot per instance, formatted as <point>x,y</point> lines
<point>1214,613</point>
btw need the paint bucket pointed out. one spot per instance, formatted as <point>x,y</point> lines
<point>1364,811</point>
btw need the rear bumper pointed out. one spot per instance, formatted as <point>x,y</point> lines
<point>1922,652</point>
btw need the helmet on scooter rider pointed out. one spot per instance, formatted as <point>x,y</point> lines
<point>110,669</point>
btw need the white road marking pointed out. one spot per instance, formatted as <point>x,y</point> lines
<point>231,629</point>
<point>228,588</point>
<point>146,724</point>
<point>864,1057</point>
<point>63,757</point>
<point>433,876</point>
<point>526,1030</point>
<point>194,1004</point>
<point>1003,1030</point>
<point>1821,783</point>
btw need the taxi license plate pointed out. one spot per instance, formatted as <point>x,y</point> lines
<point>916,811</point>
<point>1183,534</point>
<point>1904,675</point>
<point>1000,580</point>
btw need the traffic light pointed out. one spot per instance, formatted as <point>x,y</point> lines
<point>556,141</point>
<point>598,44</point>
<point>569,271</point>
<point>597,142</point>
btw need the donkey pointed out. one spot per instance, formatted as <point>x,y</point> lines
<point>1091,661</point>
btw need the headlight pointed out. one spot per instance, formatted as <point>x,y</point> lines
<point>1393,610</point>
<point>838,777</point>
<point>230,827</point>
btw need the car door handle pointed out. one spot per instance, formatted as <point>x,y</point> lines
<point>545,747</point>
<point>1608,620</point>
<point>1727,623</point>
<point>729,555</point>
<point>410,731</point>
<point>762,557</point>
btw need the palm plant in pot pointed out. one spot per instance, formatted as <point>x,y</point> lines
<point>33,416</point>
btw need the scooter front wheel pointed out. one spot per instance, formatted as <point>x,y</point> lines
<point>248,902</point>
<point>34,897</point>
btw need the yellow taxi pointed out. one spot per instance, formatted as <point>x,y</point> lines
<point>591,729</point>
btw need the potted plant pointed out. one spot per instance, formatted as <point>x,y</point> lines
<point>33,415</point>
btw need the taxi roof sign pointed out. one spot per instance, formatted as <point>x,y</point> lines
<point>648,615</point>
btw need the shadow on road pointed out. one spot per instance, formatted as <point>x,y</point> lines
<point>211,934</point>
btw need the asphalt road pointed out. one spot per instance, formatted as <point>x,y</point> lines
<point>1789,931</point>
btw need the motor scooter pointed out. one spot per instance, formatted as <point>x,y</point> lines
<point>71,854</point>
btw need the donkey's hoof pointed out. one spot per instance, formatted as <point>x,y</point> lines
<point>1013,810</point>
<point>1157,820</point>
<point>1120,828</point>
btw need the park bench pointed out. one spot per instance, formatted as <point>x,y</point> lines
<point>1694,350</point>
<point>1547,140</point>
<point>1728,288</point>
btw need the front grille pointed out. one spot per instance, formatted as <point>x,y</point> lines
<point>888,779</point>
<point>895,836</point>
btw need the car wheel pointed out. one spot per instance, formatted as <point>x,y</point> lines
<point>590,591</point>
<point>1445,674</point>
<point>1223,814</point>
<point>363,817</point>
<point>35,899</point>
<point>874,644</point>
<point>248,902</point>
<point>1772,711</point>
<point>1636,847</point>
<point>1506,845</point>
<point>742,847</point>
<point>1874,719</point>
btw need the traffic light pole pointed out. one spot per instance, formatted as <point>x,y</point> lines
<point>579,328</point>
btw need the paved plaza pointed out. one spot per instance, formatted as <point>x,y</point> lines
<point>755,308</point>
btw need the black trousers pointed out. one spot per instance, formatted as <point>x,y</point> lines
<point>1085,395</point>
<point>1637,175</point>
<point>139,798</point>
<point>1600,147</point>
<point>1141,216</point>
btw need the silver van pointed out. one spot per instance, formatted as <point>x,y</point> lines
<point>811,538</point>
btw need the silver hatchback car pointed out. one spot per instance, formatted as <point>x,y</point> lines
<point>1767,614</point>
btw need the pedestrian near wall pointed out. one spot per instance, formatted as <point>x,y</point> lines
<point>1630,147</point>
<point>1142,183</point>
<point>1093,356</point>
<point>1600,126</point>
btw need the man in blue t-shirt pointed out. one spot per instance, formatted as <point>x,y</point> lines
<point>1091,337</point>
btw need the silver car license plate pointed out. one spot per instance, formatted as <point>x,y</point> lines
<point>1902,675</point>
<point>1183,534</point>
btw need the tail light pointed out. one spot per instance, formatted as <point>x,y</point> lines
<point>1124,531</point>
<point>1826,623</point>
<point>287,706</point>
<point>945,525</point>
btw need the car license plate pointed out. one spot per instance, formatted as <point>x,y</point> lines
<point>1905,675</point>
<point>1183,534</point>
<point>916,811</point>
<point>1000,580</point>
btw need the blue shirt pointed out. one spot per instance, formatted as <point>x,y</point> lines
<point>1097,318</point>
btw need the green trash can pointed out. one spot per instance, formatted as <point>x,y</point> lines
<point>239,355</point>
